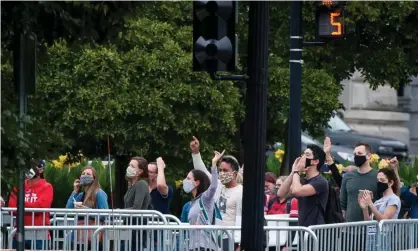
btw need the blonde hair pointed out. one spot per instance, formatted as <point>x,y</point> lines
<point>91,190</point>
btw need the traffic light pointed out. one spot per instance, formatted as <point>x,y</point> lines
<point>214,40</point>
<point>329,19</point>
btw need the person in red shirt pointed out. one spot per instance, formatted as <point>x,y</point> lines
<point>38,194</point>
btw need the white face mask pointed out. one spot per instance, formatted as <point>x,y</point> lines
<point>30,174</point>
<point>188,186</point>
<point>131,172</point>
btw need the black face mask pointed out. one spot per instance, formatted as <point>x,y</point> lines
<point>359,160</point>
<point>381,187</point>
<point>308,163</point>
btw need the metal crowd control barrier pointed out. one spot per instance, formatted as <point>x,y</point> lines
<point>398,235</point>
<point>347,236</point>
<point>187,237</point>
<point>71,217</point>
<point>282,238</point>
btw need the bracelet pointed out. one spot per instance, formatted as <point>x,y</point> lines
<point>297,172</point>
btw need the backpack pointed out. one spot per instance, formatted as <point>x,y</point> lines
<point>333,212</point>
<point>405,212</point>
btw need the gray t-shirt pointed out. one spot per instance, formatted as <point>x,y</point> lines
<point>386,201</point>
<point>312,208</point>
<point>352,183</point>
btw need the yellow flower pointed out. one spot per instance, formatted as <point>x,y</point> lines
<point>63,158</point>
<point>384,163</point>
<point>417,177</point>
<point>178,183</point>
<point>74,165</point>
<point>374,158</point>
<point>279,154</point>
<point>57,164</point>
<point>340,167</point>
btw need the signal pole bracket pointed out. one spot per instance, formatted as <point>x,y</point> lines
<point>214,76</point>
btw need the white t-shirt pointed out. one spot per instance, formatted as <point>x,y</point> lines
<point>386,201</point>
<point>228,201</point>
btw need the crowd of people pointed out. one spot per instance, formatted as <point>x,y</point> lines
<point>362,193</point>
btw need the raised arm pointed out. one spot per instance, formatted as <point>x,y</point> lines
<point>161,183</point>
<point>210,193</point>
<point>197,158</point>
<point>330,162</point>
<point>285,188</point>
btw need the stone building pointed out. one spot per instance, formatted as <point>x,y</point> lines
<point>383,112</point>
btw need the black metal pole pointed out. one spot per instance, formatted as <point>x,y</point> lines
<point>22,112</point>
<point>252,237</point>
<point>295,105</point>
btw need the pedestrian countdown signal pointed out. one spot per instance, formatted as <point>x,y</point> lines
<point>329,20</point>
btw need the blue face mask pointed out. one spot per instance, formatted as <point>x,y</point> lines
<point>86,180</point>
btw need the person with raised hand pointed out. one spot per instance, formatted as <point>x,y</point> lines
<point>202,208</point>
<point>408,195</point>
<point>228,196</point>
<point>161,193</point>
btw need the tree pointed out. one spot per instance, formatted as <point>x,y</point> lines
<point>140,91</point>
<point>381,40</point>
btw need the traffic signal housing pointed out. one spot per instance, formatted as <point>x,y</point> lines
<point>329,19</point>
<point>214,39</point>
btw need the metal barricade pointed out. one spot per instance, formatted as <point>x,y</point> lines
<point>39,240</point>
<point>190,237</point>
<point>86,217</point>
<point>283,238</point>
<point>347,236</point>
<point>291,238</point>
<point>398,235</point>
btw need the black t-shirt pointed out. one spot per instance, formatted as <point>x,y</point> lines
<point>312,208</point>
<point>162,203</point>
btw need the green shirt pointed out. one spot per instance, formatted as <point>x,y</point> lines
<point>352,183</point>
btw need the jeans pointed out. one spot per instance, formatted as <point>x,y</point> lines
<point>38,245</point>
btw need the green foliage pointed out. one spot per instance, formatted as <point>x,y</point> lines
<point>409,173</point>
<point>380,40</point>
<point>140,91</point>
<point>124,69</point>
<point>319,98</point>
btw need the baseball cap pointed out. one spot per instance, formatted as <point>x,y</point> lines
<point>40,164</point>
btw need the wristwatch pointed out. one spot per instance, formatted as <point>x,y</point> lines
<point>297,172</point>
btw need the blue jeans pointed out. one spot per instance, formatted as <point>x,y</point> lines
<point>39,244</point>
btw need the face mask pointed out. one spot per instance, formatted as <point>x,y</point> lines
<point>268,191</point>
<point>275,190</point>
<point>131,172</point>
<point>382,187</point>
<point>30,174</point>
<point>308,163</point>
<point>226,177</point>
<point>188,186</point>
<point>86,180</point>
<point>359,160</point>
